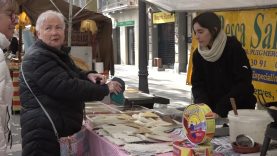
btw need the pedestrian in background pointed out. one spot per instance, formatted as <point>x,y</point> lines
<point>60,86</point>
<point>221,69</point>
<point>8,20</point>
<point>13,48</point>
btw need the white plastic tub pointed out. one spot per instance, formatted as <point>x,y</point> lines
<point>249,122</point>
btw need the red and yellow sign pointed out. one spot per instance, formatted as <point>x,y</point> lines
<point>199,123</point>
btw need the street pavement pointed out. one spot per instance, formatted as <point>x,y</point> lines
<point>161,83</point>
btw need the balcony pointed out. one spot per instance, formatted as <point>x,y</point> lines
<point>115,5</point>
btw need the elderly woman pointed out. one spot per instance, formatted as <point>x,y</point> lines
<point>61,87</point>
<point>8,21</point>
<point>221,69</point>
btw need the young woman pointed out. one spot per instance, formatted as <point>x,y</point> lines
<point>221,69</point>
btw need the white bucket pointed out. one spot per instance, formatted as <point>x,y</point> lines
<point>249,122</point>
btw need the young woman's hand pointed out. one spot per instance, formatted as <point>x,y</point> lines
<point>216,115</point>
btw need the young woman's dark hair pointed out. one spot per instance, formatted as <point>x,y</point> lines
<point>210,21</point>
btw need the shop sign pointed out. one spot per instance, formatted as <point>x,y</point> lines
<point>257,32</point>
<point>125,23</point>
<point>163,17</point>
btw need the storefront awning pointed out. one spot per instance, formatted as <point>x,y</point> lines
<point>204,5</point>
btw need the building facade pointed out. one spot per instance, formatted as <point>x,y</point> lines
<point>124,14</point>
<point>167,34</point>
<point>90,4</point>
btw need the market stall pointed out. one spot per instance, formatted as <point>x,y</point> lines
<point>89,42</point>
<point>119,131</point>
<point>104,26</point>
<point>15,61</point>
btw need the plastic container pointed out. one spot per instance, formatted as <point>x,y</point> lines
<point>249,122</point>
<point>271,108</point>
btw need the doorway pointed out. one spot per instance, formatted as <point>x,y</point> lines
<point>166,44</point>
<point>131,45</point>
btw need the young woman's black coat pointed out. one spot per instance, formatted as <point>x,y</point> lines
<point>214,83</point>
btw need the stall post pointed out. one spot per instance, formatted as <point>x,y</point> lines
<point>143,73</point>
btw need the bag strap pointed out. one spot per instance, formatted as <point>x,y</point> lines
<point>44,110</point>
<point>10,137</point>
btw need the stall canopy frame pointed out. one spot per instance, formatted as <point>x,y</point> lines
<point>204,5</point>
<point>34,8</point>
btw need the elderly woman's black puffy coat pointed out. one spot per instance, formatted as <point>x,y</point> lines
<point>62,88</point>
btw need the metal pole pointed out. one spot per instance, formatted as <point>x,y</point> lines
<point>55,5</point>
<point>20,39</point>
<point>69,24</point>
<point>182,41</point>
<point>82,9</point>
<point>143,73</point>
<point>58,9</point>
<point>99,4</point>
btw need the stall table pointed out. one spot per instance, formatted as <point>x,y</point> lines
<point>100,146</point>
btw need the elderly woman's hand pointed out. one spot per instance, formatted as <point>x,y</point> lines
<point>93,77</point>
<point>114,87</point>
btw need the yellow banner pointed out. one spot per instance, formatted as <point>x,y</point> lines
<point>257,31</point>
<point>163,17</point>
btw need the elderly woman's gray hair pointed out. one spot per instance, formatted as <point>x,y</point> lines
<point>49,13</point>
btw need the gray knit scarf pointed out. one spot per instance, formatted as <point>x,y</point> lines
<point>216,51</point>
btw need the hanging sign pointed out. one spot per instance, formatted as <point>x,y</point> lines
<point>163,17</point>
